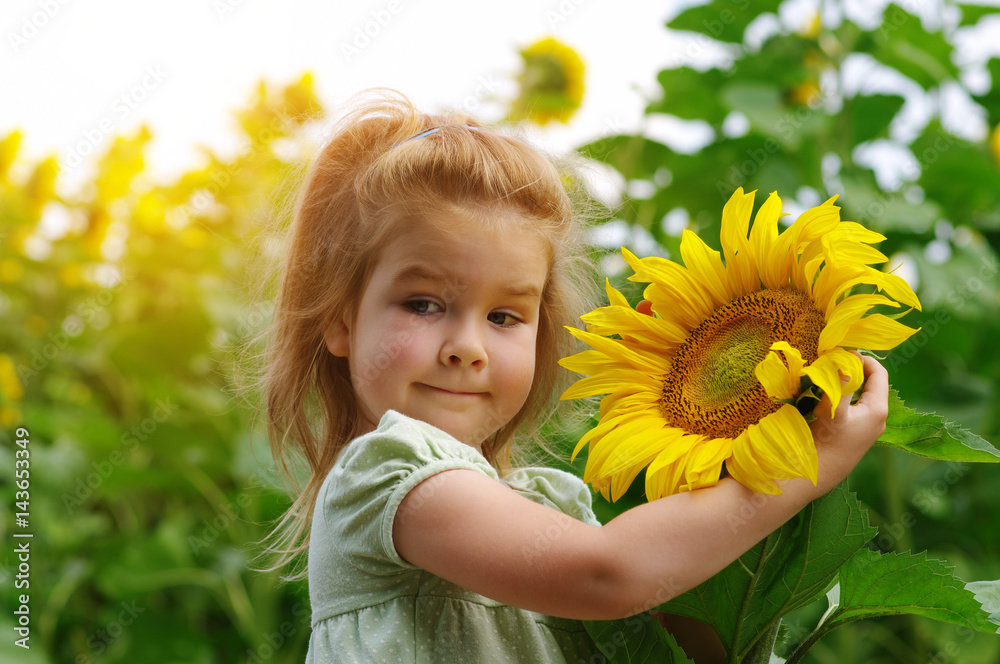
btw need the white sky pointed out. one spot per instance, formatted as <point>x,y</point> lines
<point>65,64</point>
<point>184,66</point>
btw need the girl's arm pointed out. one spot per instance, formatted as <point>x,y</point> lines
<point>481,535</point>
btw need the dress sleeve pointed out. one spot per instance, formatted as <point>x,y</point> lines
<point>363,492</point>
<point>555,488</point>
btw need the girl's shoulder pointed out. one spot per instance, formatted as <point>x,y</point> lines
<point>401,450</point>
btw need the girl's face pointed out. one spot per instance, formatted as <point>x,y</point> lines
<point>445,330</point>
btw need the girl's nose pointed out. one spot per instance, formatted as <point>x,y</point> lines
<point>464,346</point>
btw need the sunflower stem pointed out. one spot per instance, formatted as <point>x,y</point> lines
<point>761,651</point>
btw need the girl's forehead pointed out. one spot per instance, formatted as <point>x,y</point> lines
<point>422,248</point>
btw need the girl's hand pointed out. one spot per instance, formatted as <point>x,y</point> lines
<point>841,441</point>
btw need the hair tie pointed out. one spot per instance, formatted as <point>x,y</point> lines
<point>427,132</point>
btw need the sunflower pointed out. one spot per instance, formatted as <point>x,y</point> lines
<point>551,83</point>
<point>718,374</point>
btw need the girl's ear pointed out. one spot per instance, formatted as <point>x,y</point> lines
<point>337,338</point>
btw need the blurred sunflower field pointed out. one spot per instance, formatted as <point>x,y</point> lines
<point>123,302</point>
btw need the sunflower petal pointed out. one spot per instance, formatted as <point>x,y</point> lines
<point>763,236</point>
<point>736,246</point>
<point>706,265</point>
<point>825,373</point>
<point>877,332</point>
<point>617,350</point>
<point>778,447</point>
<point>780,378</point>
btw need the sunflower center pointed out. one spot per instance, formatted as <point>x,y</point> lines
<point>711,389</point>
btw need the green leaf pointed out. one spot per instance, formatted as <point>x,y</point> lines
<point>691,95</point>
<point>635,157</point>
<point>722,19</point>
<point>871,115</point>
<point>874,584</point>
<point>761,103</point>
<point>865,202</point>
<point>929,435</point>
<point>636,640</point>
<point>990,100</point>
<point>988,594</point>
<point>782,573</point>
<point>972,13</point>
<point>961,176</point>
<point>903,44</point>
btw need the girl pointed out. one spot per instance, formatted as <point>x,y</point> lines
<point>431,265</point>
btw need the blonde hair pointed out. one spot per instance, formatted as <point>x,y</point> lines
<point>342,217</point>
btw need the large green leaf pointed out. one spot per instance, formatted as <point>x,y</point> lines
<point>635,640</point>
<point>722,19</point>
<point>990,99</point>
<point>932,436</point>
<point>903,44</point>
<point>782,573</point>
<point>635,157</point>
<point>691,94</point>
<point>961,176</point>
<point>874,584</point>
<point>871,115</point>
<point>863,201</point>
<point>761,103</point>
<point>972,13</point>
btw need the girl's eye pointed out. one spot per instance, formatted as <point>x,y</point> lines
<point>502,319</point>
<point>423,307</point>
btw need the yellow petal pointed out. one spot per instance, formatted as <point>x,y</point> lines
<point>778,447</point>
<point>629,443</point>
<point>877,332</point>
<point>679,290</point>
<point>735,246</point>
<point>604,384</point>
<point>615,349</point>
<point>630,324</point>
<point>762,236</point>
<point>615,298</point>
<point>826,370</point>
<point>839,323</point>
<point>780,378</point>
<point>706,266</point>
<point>775,377</point>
